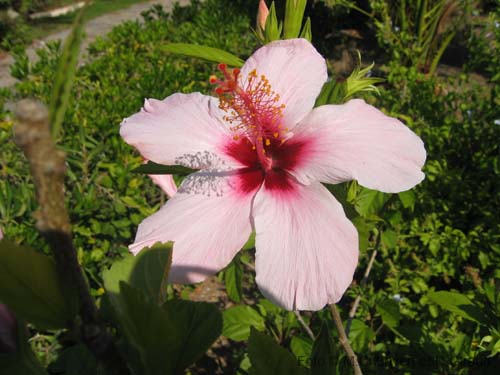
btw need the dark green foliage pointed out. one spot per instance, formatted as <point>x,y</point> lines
<point>29,285</point>
<point>324,356</point>
<point>268,358</point>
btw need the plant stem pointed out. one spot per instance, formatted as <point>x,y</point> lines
<point>304,325</point>
<point>355,305</point>
<point>344,341</point>
<point>47,165</point>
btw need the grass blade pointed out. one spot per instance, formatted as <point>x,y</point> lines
<point>65,75</point>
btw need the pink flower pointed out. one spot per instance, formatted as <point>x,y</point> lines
<point>263,152</point>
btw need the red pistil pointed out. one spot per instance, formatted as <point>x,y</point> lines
<point>253,110</point>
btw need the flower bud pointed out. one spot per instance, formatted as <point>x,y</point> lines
<point>8,330</point>
<point>262,14</point>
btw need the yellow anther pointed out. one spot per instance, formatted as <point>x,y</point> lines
<point>276,135</point>
<point>268,142</point>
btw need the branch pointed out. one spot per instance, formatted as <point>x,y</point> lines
<point>355,305</point>
<point>344,340</point>
<point>47,166</point>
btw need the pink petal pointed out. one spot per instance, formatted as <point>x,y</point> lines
<point>357,141</point>
<point>296,71</point>
<point>166,182</point>
<point>208,221</point>
<point>307,249</point>
<point>183,129</point>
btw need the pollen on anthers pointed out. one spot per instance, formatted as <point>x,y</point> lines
<point>252,108</point>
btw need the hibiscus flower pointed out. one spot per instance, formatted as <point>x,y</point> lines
<point>263,152</point>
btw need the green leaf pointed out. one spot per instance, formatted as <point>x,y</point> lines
<point>294,14</point>
<point>203,52</point>
<point>363,232</point>
<point>250,244</point>
<point>369,202</point>
<point>306,30</point>
<point>167,338</point>
<point>148,330</point>
<point>407,198</point>
<point>389,239</point>
<point>65,75</point>
<point>233,275</point>
<point>268,358</point>
<point>29,285</point>
<point>459,304</point>
<point>75,360</point>
<point>238,320</point>
<point>389,311</point>
<point>153,168</point>
<point>273,28</point>
<point>360,335</point>
<point>200,324</point>
<point>148,271</point>
<point>301,347</point>
<point>332,92</point>
<point>324,358</point>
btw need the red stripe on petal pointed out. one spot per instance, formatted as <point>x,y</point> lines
<point>248,180</point>
<point>288,155</point>
<point>241,150</point>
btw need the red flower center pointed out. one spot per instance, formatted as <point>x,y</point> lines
<point>260,140</point>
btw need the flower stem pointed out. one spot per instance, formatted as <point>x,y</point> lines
<point>304,325</point>
<point>354,308</point>
<point>344,341</point>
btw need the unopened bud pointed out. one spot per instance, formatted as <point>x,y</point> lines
<point>262,14</point>
<point>8,330</point>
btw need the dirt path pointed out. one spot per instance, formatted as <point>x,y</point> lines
<point>94,28</point>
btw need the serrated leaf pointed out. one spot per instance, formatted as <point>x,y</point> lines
<point>268,358</point>
<point>148,271</point>
<point>324,357</point>
<point>153,168</point>
<point>369,202</point>
<point>203,52</point>
<point>238,320</point>
<point>65,75</point>
<point>233,275</point>
<point>459,304</point>
<point>29,285</point>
